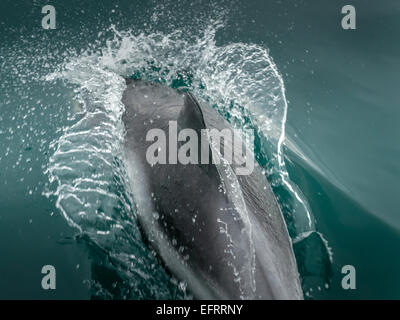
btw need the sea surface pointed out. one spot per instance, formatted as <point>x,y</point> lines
<point>323,103</point>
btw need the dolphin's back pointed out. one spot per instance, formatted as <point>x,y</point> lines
<point>221,249</point>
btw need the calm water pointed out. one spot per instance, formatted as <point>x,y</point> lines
<point>339,89</point>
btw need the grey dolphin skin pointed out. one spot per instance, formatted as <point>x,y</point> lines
<point>222,234</point>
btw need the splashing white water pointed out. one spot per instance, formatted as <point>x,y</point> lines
<point>239,80</point>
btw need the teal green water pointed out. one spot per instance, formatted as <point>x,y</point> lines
<point>341,146</point>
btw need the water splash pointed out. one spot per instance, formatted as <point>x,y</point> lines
<point>86,169</point>
<point>89,182</point>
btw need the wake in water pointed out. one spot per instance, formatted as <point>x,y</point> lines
<point>86,170</point>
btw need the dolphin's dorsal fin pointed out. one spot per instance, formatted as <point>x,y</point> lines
<point>191,115</point>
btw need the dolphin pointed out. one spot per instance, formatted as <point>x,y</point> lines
<point>221,233</point>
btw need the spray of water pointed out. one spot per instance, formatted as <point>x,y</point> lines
<point>86,169</point>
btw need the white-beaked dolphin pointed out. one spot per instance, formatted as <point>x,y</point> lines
<point>223,234</point>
